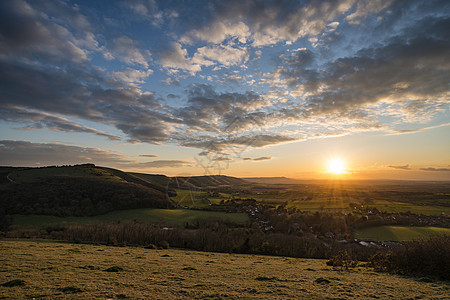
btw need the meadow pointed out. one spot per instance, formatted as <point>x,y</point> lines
<point>400,233</point>
<point>154,215</point>
<point>56,270</point>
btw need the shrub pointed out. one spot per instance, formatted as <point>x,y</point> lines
<point>430,257</point>
<point>342,259</point>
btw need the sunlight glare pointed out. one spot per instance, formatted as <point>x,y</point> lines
<point>336,166</point>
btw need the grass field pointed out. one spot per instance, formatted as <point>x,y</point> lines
<point>52,270</point>
<point>165,216</point>
<point>400,233</point>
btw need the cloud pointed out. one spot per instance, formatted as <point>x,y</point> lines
<point>225,55</point>
<point>405,167</point>
<point>23,153</point>
<point>129,51</point>
<point>85,94</point>
<point>273,22</point>
<point>217,144</point>
<point>218,32</point>
<point>412,66</point>
<point>24,30</point>
<point>39,120</point>
<point>363,9</point>
<point>431,169</point>
<point>175,57</point>
<point>164,164</point>
<point>258,158</point>
<point>148,155</point>
<point>132,76</point>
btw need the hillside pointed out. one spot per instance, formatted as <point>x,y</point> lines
<point>54,270</point>
<point>77,190</point>
<point>192,182</point>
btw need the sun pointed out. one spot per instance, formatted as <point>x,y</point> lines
<point>336,166</point>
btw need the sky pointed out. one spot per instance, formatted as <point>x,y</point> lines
<point>239,88</point>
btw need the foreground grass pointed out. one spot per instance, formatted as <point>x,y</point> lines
<point>51,270</point>
<point>153,215</point>
<point>400,233</point>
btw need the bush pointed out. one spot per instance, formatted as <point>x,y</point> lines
<point>342,259</point>
<point>429,257</point>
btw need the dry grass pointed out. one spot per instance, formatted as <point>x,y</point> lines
<point>53,270</point>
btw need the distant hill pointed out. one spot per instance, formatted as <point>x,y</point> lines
<point>77,190</point>
<point>192,182</point>
<point>273,180</point>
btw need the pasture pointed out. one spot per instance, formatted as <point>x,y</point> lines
<point>400,233</point>
<point>55,270</point>
<point>153,215</point>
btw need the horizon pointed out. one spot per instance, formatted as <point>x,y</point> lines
<point>308,90</point>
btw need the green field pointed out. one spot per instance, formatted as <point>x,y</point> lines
<point>164,216</point>
<point>54,270</point>
<point>399,233</point>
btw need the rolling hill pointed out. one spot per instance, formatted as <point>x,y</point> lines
<point>192,182</point>
<point>79,190</point>
<point>87,190</point>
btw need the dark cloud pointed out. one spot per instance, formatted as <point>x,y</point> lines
<point>164,164</point>
<point>405,167</point>
<point>148,155</point>
<point>435,169</point>
<point>262,158</point>
<point>258,158</point>
<point>39,120</point>
<point>220,143</point>
<point>23,153</point>
<point>270,22</point>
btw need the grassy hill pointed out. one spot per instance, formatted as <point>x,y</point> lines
<point>77,190</point>
<point>53,270</point>
<point>192,182</point>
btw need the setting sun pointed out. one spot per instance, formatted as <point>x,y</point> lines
<point>336,166</point>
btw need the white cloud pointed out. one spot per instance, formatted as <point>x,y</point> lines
<point>218,32</point>
<point>129,51</point>
<point>365,8</point>
<point>225,55</point>
<point>133,76</point>
<point>176,58</point>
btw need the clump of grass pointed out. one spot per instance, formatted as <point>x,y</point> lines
<point>122,296</point>
<point>266,278</point>
<point>114,269</point>
<point>71,289</point>
<point>151,246</point>
<point>189,269</point>
<point>14,282</point>
<point>89,267</point>
<point>322,280</point>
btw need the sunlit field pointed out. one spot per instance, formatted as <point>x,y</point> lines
<point>400,233</point>
<point>53,270</point>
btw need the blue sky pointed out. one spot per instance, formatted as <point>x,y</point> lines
<point>244,88</point>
